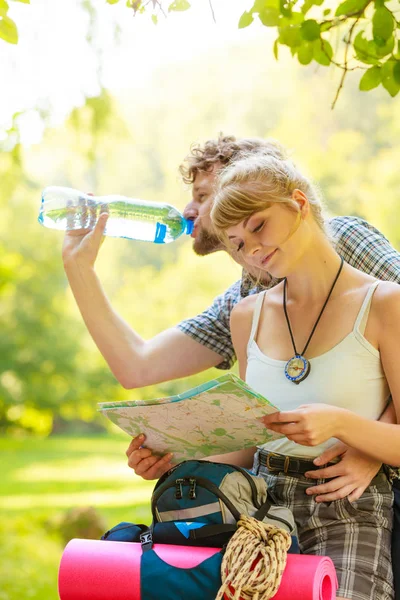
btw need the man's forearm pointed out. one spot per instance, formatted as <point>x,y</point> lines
<point>121,346</point>
<point>134,362</point>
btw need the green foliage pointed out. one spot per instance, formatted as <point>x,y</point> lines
<point>368,30</point>
<point>44,482</point>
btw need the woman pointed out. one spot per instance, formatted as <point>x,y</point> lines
<point>322,345</point>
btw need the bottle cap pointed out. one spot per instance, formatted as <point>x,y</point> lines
<point>189,227</point>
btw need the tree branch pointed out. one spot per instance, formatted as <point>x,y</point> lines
<point>346,68</point>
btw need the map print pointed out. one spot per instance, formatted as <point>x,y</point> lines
<point>217,417</point>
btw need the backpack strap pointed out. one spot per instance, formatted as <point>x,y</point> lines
<point>209,530</point>
<point>263,513</point>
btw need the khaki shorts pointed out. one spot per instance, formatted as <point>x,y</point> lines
<point>355,535</point>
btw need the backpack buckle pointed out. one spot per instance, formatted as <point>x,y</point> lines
<point>146,540</point>
<point>192,490</point>
<point>178,489</point>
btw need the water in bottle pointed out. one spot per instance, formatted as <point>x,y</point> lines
<point>69,209</point>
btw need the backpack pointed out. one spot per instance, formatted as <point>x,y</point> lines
<point>198,503</point>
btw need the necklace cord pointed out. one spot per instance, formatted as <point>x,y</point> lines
<point>319,316</point>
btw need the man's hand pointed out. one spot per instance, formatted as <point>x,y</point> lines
<point>143,461</point>
<point>82,245</point>
<point>351,475</point>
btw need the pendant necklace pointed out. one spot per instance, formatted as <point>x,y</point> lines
<point>298,367</point>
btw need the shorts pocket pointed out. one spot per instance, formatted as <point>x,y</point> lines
<point>373,507</point>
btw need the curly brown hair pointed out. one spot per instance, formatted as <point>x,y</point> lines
<point>223,150</point>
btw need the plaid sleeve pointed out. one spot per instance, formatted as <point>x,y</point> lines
<point>365,248</point>
<point>211,327</point>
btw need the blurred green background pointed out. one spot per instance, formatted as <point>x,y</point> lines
<point>126,132</point>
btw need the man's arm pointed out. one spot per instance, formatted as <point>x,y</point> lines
<point>135,362</point>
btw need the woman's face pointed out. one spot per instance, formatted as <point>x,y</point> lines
<point>267,239</point>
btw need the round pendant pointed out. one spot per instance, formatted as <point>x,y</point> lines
<point>297,368</point>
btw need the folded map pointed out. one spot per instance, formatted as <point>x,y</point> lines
<point>219,416</point>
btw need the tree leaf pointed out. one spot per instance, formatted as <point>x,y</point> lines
<point>350,7</point>
<point>396,71</point>
<point>261,5</point>
<point>8,30</point>
<point>290,35</point>
<point>23,1</point>
<point>154,18</point>
<point>371,79</point>
<point>382,25</point>
<point>269,17</point>
<point>286,8</point>
<point>310,30</point>
<point>245,20</point>
<point>309,4</point>
<point>388,79</point>
<point>3,8</point>
<point>382,51</point>
<point>179,5</point>
<point>365,50</point>
<point>305,53</point>
<point>112,1</point>
<point>322,52</point>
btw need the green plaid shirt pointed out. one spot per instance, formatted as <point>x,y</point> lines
<point>358,242</point>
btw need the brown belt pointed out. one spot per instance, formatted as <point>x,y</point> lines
<point>279,463</point>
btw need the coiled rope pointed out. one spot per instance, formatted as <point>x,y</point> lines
<point>253,540</point>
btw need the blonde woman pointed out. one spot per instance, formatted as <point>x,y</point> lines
<point>323,346</point>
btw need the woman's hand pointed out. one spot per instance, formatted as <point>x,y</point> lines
<point>143,461</point>
<point>348,477</point>
<point>309,425</point>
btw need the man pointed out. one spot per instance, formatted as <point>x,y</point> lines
<point>204,341</point>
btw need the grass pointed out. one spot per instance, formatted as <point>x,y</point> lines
<point>41,480</point>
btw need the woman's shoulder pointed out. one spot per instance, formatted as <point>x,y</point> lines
<point>387,301</point>
<point>245,305</point>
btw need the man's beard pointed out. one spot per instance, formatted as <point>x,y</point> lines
<point>206,243</point>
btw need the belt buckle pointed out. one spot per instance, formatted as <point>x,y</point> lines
<point>268,464</point>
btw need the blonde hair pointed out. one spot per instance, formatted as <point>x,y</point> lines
<point>254,183</point>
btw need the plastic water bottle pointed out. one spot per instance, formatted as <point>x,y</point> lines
<point>68,209</point>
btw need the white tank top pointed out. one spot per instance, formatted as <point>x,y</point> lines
<point>350,375</point>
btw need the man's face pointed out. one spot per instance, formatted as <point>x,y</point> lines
<point>198,210</point>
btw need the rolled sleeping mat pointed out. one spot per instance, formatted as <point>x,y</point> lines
<point>104,570</point>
